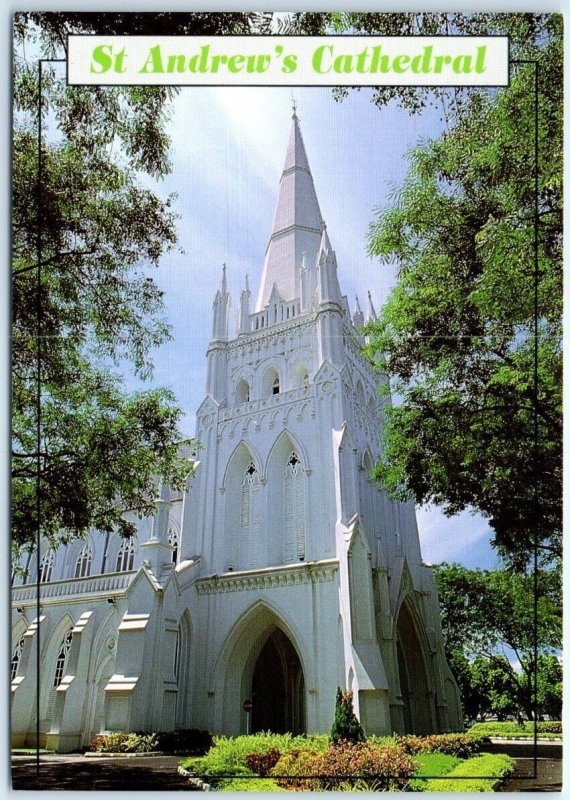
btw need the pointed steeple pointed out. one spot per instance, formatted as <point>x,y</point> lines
<point>244,323</point>
<point>371,310</point>
<point>221,306</point>
<point>358,316</point>
<point>297,225</point>
<point>329,290</point>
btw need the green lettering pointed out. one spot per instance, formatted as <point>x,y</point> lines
<point>153,62</point>
<point>462,63</point>
<point>400,63</point>
<point>102,60</point>
<point>480,59</point>
<point>318,56</point>
<point>235,63</point>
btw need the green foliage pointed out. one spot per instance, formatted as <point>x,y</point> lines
<point>432,765</point>
<point>262,763</point>
<point>346,726</point>
<point>482,613</point>
<point>250,785</point>
<point>386,768</point>
<point>460,745</point>
<point>228,755</point>
<point>489,767</point>
<point>516,730</point>
<point>525,31</point>
<point>125,743</point>
<point>457,336</point>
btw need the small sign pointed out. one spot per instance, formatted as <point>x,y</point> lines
<point>247,706</point>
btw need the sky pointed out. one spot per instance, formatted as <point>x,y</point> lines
<point>228,150</point>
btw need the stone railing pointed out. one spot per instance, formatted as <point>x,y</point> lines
<point>95,584</point>
<point>265,403</point>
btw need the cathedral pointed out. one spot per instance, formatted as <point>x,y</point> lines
<point>283,572</point>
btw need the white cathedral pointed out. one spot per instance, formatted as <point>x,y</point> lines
<point>281,574</point>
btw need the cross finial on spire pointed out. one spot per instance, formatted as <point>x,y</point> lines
<point>294,106</point>
<point>224,284</point>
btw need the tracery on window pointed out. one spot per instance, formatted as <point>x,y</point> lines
<point>46,566</point>
<point>250,518</point>
<point>83,565</point>
<point>62,658</point>
<point>275,386</point>
<point>126,556</point>
<point>174,541</point>
<point>16,656</point>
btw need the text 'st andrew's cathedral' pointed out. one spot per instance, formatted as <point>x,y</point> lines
<point>283,573</point>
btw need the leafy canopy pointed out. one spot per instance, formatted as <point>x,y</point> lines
<point>100,231</point>
<point>458,335</point>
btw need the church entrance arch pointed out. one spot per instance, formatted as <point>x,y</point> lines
<point>261,661</point>
<point>277,687</point>
<point>414,685</point>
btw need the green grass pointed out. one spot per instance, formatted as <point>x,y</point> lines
<point>432,765</point>
<point>509,729</point>
<point>249,785</point>
<point>477,774</point>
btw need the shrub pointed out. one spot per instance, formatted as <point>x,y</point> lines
<point>109,742</point>
<point>293,764</point>
<point>514,730</point>
<point>386,768</point>
<point>491,767</point>
<point>346,726</point>
<point>121,742</point>
<point>228,755</point>
<point>454,744</point>
<point>262,763</point>
<point>550,727</point>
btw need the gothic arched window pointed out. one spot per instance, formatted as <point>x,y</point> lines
<point>16,656</point>
<point>61,660</point>
<point>174,541</point>
<point>126,556</point>
<point>294,509</point>
<point>46,566</point>
<point>275,386</point>
<point>83,565</point>
<point>250,513</point>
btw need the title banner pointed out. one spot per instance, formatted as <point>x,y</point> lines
<point>288,60</point>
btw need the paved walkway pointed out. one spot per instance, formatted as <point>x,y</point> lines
<point>158,773</point>
<point>548,776</point>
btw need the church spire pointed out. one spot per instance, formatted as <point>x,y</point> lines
<point>297,224</point>
<point>221,306</point>
<point>358,316</point>
<point>371,310</point>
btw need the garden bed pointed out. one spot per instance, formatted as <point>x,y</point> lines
<point>272,762</point>
<point>512,730</point>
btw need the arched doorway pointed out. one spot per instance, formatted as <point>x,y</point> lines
<point>414,685</point>
<point>278,687</point>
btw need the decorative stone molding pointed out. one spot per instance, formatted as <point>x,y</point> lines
<point>268,578</point>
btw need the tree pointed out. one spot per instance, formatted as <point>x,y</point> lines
<point>346,726</point>
<point>489,633</point>
<point>476,426</point>
<point>87,233</point>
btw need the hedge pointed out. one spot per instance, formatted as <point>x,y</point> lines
<point>477,774</point>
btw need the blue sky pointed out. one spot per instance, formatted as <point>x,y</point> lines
<point>228,149</point>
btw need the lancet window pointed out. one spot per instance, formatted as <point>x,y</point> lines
<point>174,541</point>
<point>83,565</point>
<point>250,501</point>
<point>61,660</point>
<point>16,656</point>
<point>126,556</point>
<point>294,509</point>
<point>46,566</point>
